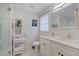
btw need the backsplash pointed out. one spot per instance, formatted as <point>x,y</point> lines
<point>65,32</point>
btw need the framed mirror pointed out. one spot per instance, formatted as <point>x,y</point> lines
<point>65,18</point>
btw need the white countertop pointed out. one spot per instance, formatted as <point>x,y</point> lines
<point>71,43</point>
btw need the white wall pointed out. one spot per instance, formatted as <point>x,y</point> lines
<point>31,34</point>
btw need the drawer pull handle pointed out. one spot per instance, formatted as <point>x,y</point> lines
<point>44,44</point>
<point>61,54</point>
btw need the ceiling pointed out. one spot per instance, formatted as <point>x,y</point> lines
<point>32,7</point>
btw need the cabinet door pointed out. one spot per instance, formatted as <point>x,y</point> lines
<point>52,48</point>
<point>57,51</point>
<point>69,51</point>
<point>44,47</point>
<point>61,50</point>
<point>47,51</point>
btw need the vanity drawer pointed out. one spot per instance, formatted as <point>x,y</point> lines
<point>67,49</point>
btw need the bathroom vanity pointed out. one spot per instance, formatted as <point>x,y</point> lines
<point>51,46</point>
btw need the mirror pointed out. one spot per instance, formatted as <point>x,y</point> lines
<point>55,21</point>
<point>65,18</point>
<point>68,19</point>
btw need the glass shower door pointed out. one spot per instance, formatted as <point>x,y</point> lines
<point>4,29</point>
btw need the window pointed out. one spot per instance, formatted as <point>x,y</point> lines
<point>44,24</point>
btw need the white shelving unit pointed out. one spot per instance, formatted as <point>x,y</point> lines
<point>18,41</point>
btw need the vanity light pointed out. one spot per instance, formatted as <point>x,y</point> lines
<point>59,5</point>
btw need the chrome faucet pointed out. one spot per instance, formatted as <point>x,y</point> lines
<point>53,33</point>
<point>69,36</point>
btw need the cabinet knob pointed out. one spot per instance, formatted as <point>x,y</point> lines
<point>44,44</point>
<point>61,54</point>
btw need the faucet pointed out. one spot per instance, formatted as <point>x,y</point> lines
<point>69,36</point>
<point>53,33</point>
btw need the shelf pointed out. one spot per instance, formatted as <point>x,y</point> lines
<point>18,53</point>
<point>18,49</point>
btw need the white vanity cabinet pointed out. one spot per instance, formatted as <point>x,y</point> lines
<point>50,47</point>
<point>44,47</point>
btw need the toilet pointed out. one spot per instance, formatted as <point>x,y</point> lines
<point>36,48</point>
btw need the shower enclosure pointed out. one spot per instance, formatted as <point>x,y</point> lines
<point>5,38</point>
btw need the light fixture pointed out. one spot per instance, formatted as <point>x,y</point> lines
<point>58,5</point>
